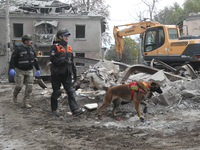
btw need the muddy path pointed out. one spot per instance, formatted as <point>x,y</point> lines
<point>36,129</point>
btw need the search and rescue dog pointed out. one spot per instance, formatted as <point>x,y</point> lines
<point>135,91</point>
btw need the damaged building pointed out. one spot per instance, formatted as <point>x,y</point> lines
<point>191,24</point>
<point>43,19</point>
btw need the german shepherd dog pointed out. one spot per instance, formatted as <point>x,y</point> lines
<point>116,93</point>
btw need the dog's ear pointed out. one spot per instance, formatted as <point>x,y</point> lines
<point>154,83</point>
<point>141,85</point>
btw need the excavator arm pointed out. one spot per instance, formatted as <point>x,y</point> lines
<point>133,28</point>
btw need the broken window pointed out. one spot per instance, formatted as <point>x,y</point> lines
<point>18,29</point>
<point>80,31</point>
<point>80,55</point>
<point>44,10</point>
<point>45,30</point>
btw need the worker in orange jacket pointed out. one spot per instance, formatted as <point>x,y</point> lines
<point>63,70</point>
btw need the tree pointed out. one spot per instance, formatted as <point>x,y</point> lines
<point>130,53</point>
<point>111,54</point>
<point>191,6</point>
<point>151,6</point>
<point>170,15</point>
<point>175,13</point>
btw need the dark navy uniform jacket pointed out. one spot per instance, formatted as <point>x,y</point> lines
<point>24,58</point>
<point>62,60</point>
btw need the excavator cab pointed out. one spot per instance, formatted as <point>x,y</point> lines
<point>154,38</point>
<point>157,42</point>
<point>161,42</point>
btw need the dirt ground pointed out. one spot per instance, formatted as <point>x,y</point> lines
<point>35,128</point>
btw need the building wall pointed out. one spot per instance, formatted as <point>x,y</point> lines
<point>191,25</point>
<point>3,53</point>
<point>90,45</point>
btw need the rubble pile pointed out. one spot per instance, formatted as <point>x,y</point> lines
<point>174,92</point>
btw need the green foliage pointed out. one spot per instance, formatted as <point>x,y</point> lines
<point>191,6</point>
<point>170,15</point>
<point>175,13</point>
<point>111,54</point>
<point>129,55</point>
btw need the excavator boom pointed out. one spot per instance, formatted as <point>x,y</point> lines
<point>134,28</point>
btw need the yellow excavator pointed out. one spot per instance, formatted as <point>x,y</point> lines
<point>161,42</point>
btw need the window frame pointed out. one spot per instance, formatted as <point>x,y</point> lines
<point>14,26</point>
<point>82,38</point>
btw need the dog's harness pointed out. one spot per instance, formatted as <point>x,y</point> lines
<point>134,87</point>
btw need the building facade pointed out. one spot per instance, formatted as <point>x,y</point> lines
<point>85,38</point>
<point>191,24</point>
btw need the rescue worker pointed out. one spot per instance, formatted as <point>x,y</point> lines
<point>62,69</point>
<point>21,67</point>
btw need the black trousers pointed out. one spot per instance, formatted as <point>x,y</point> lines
<point>66,81</point>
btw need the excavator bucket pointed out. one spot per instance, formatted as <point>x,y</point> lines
<point>43,62</point>
<point>41,83</point>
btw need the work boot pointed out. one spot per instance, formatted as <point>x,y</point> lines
<point>27,105</point>
<point>77,112</point>
<point>55,113</point>
<point>14,98</point>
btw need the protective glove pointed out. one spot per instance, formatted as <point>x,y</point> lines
<point>12,72</point>
<point>38,73</point>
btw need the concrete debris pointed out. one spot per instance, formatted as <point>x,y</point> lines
<point>91,106</point>
<point>45,92</point>
<point>182,106</point>
<point>159,77</point>
<point>44,7</point>
<point>190,93</point>
<point>176,90</point>
<point>80,92</point>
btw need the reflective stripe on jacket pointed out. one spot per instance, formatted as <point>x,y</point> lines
<point>24,58</point>
<point>61,48</point>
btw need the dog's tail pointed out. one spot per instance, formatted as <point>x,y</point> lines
<point>97,85</point>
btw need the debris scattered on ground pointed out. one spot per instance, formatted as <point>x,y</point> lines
<point>172,120</point>
<point>106,73</point>
<point>91,106</point>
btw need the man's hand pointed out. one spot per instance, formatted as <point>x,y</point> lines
<point>38,73</point>
<point>12,72</point>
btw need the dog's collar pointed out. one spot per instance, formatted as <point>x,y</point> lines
<point>146,84</point>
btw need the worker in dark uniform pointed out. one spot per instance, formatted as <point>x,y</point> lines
<point>21,67</point>
<point>62,70</point>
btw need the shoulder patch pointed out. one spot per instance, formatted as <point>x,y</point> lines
<point>52,53</point>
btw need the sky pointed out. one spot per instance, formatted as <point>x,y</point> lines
<point>125,11</point>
